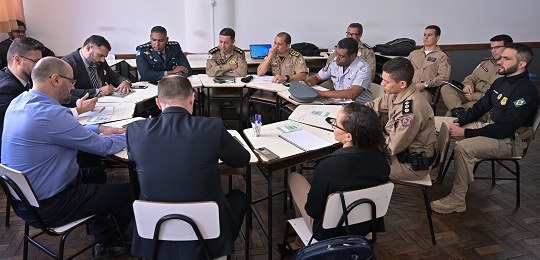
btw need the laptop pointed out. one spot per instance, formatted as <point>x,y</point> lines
<point>259,51</point>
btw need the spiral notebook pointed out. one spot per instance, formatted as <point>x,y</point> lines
<point>305,140</point>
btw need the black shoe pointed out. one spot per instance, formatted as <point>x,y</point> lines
<point>100,250</point>
<point>457,112</point>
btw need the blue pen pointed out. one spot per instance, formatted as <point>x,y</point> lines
<point>259,118</point>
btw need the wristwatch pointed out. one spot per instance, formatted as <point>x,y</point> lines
<point>128,81</point>
<point>287,78</point>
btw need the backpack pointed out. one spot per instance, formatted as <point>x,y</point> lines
<point>397,47</point>
<point>306,49</point>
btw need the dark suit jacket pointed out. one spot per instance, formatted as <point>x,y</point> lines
<point>4,46</point>
<point>10,88</point>
<point>84,85</point>
<point>176,158</point>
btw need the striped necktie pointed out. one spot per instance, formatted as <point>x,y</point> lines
<point>27,86</point>
<point>93,77</point>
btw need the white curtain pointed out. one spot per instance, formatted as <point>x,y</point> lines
<point>10,12</point>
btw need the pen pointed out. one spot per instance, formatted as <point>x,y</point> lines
<point>101,110</point>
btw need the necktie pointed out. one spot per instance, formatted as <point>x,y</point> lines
<point>162,55</point>
<point>93,76</point>
<point>27,86</point>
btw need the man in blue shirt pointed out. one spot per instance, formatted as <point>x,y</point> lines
<point>41,138</point>
<point>161,57</point>
<point>351,75</point>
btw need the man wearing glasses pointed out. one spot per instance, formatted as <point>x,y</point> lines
<point>20,32</point>
<point>93,74</point>
<point>36,124</point>
<point>355,31</point>
<point>476,84</point>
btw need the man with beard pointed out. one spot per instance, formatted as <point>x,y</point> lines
<point>476,84</point>
<point>351,75</point>
<point>513,102</point>
<point>93,74</point>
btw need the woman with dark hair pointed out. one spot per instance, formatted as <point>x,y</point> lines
<point>361,163</point>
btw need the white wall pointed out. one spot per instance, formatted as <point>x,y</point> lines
<point>64,25</point>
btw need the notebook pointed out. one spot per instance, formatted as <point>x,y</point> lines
<point>305,140</point>
<point>455,84</point>
<point>259,51</point>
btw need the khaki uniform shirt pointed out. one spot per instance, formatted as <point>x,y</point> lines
<point>223,61</point>
<point>292,63</point>
<point>364,52</point>
<point>410,122</point>
<point>482,77</point>
<point>432,68</point>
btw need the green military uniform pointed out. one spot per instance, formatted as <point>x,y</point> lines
<point>432,68</point>
<point>292,63</point>
<point>223,62</point>
<point>365,52</point>
<point>409,125</point>
<point>481,79</point>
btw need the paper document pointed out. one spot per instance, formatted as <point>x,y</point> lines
<point>263,79</point>
<point>122,95</point>
<point>99,111</point>
<point>317,87</point>
<point>305,140</point>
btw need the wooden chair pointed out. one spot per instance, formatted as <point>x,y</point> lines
<point>16,185</point>
<point>362,205</point>
<point>177,222</point>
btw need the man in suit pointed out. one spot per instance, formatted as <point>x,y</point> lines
<point>93,74</point>
<point>20,32</point>
<point>160,57</point>
<point>169,169</point>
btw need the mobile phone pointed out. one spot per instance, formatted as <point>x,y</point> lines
<point>139,86</point>
<point>266,154</point>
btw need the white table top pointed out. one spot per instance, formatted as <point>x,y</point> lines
<point>315,115</point>
<point>208,82</point>
<point>258,83</point>
<point>269,138</point>
<point>114,62</point>
<point>136,96</point>
<point>121,111</point>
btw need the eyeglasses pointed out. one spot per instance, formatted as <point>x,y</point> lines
<point>73,81</point>
<point>35,61</point>
<point>348,34</point>
<point>333,122</point>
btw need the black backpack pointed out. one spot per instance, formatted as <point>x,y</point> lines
<point>397,47</point>
<point>306,49</point>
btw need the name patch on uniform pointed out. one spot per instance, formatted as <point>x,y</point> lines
<point>503,101</point>
<point>406,121</point>
<point>407,107</point>
<point>520,102</point>
<point>484,68</point>
<point>431,59</point>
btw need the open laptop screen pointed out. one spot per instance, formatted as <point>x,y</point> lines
<point>259,51</point>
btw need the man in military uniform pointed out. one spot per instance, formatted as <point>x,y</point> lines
<point>431,64</point>
<point>476,84</point>
<point>286,64</point>
<point>355,31</point>
<point>349,74</point>
<point>410,128</point>
<point>226,59</point>
<point>20,32</point>
<point>161,57</point>
<point>513,102</point>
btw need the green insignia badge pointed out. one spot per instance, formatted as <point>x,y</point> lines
<point>519,102</point>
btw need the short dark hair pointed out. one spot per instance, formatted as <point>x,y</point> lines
<point>21,23</point>
<point>174,87</point>
<point>286,36</point>
<point>158,29</point>
<point>524,52</point>
<point>98,41</point>
<point>228,32</point>
<point>506,39</point>
<point>22,46</point>
<point>365,127</point>
<point>436,28</point>
<point>400,68</point>
<point>357,26</point>
<point>350,44</point>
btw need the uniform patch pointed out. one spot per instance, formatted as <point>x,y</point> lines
<point>484,68</point>
<point>520,102</point>
<point>406,121</point>
<point>431,59</point>
<point>294,53</point>
<point>407,107</point>
<point>138,53</point>
<point>503,101</point>
<point>499,96</point>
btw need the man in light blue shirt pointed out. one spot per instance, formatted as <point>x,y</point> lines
<point>41,138</point>
<point>351,75</point>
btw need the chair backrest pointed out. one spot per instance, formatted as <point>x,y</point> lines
<point>376,90</point>
<point>380,195</point>
<point>18,185</point>
<point>442,145</point>
<point>204,214</point>
<point>536,121</point>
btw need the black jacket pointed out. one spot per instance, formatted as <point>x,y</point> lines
<point>10,88</point>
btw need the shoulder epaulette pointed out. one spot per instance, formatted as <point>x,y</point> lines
<point>294,53</point>
<point>143,46</point>
<point>213,50</point>
<point>407,107</point>
<point>367,46</point>
<point>238,50</point>
<point>488,58</point>
<point>173,43</point>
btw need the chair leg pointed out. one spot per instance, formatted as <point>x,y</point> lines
<point>25,241</point>
<point>493,173</point>
<point>286,189</point>
<point>285,234</point>
<point>518,193</point>
<point>440,180</point>
<point>8,212</point>
<point>429,213</point>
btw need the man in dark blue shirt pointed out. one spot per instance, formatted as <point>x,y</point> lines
<point>513,103</point>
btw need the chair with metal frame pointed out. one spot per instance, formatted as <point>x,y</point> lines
<point>514,159</point>
<point>19,189</point>
<point>166,221</point>
<point>362,205</point>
